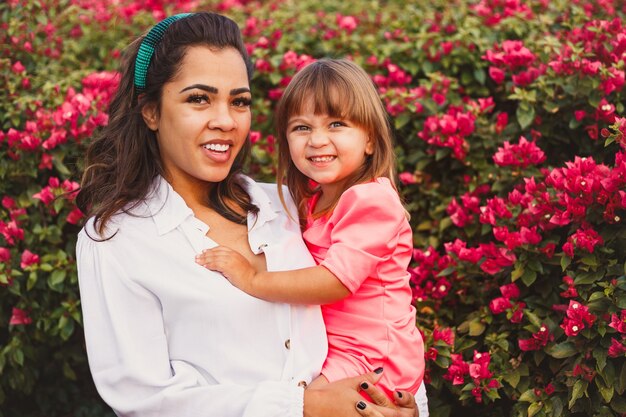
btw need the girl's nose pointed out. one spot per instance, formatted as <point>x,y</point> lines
<point>318,139</point>
<point>222,119</point>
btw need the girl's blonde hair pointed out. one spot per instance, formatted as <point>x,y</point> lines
<point>339,88</point>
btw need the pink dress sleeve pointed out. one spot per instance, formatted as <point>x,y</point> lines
<point>365,228</point>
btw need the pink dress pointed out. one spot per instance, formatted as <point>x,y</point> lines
<point>367,243</point>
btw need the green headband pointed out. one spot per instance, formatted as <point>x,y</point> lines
<point>146,49</point>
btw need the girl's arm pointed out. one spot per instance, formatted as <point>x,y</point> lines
<point>314,285</point>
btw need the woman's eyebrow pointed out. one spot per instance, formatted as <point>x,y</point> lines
<point>214,90</point>
<point>203,87</point>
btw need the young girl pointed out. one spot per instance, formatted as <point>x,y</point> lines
<point>333,132</point>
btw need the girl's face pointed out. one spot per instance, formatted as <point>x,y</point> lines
<point>204,118</point>
<point>327,149</point>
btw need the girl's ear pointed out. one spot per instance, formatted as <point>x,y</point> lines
<point>369,146</point>
<point>150,116</point>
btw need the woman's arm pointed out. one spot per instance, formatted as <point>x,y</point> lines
<point>313,285</point>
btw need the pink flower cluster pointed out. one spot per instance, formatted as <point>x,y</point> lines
<point>538,340</point>
<point>603,40</point>
<point>450,130</point>
<point>618,347</point>
<point>424,276</point>
<point>512,57</point>
<point>577,318</point>
<point>493,11</point>
<point>520,155</point>
<point>478,370</point>
<point>515,310</point>
<point>77,118</point>
<point>494,259</point>
<point>468,209</point>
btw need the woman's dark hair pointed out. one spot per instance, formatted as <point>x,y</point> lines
<point>123,160</point>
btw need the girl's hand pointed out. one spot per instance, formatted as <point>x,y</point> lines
<point>233,265</point>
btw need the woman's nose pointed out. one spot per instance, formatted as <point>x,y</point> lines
<point>222,119</point>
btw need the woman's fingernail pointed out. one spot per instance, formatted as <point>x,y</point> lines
<point>378,370</point>
<point>399,394</point>
<point>364,385</point>
<point>361,405</point>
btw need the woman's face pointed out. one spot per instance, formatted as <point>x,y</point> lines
<point>204,117</point>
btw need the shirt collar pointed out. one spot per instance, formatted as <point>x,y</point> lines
<point>169,210</point>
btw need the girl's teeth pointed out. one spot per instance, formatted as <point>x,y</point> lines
<point>322,158</point>
<point>216,147</point>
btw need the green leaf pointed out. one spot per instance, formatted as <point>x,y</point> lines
<point>517,272</point>
<point>600,355</point>
<point>513,378</point>
<point>57,277</point>
<point>529,277</point>
<point>528,396</point>
<point>618,403</point>
<point>476,328</point>
<point>621,382</point>
<point>401,120</point>
<point>525,115</point>
<point>579,388</point>
<point>565,261</point>
<point>480,76</point>
<point>534,408</point>
<point>32,280</point>
<point>605,391</point>
<point>557,406</point>
<point>562,350</point>
<point>18,356</point>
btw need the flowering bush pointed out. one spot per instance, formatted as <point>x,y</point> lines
<point>510,129</point>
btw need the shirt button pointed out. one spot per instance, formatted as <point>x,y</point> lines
<point>288,344</point>
<point>302,384</point>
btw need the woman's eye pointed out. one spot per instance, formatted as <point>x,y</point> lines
<point>242,102</point>
<point>198,99</point>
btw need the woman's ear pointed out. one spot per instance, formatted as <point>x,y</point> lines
<point>150,116</point>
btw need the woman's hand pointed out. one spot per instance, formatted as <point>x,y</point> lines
<point>342,399</point>
<point>403,406</point>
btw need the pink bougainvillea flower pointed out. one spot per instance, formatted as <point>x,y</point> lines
<point>407,178</point>
<point>618,322</point>
<point>457,370</point>
<point>5,255</point>
<point>510,290</point>
<point>19,317</point>
<point>617,348</point>
<point>446,334</point>
<point>499,305</point>
<point>28,259</point>
<point>521,155</point>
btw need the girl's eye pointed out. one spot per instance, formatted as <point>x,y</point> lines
<point>300,128</point>
<point>198,98</point>
<point>242,102</point>
<point>337,124</point>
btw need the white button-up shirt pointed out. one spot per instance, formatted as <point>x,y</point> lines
<point>167,337</point>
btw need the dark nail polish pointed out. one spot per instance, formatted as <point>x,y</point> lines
<point>360,405</point>
<point>399,394</point>
<point>378,370</point>
<point>364,385</point>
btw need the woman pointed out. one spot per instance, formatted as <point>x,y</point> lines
<point>161,183</point>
